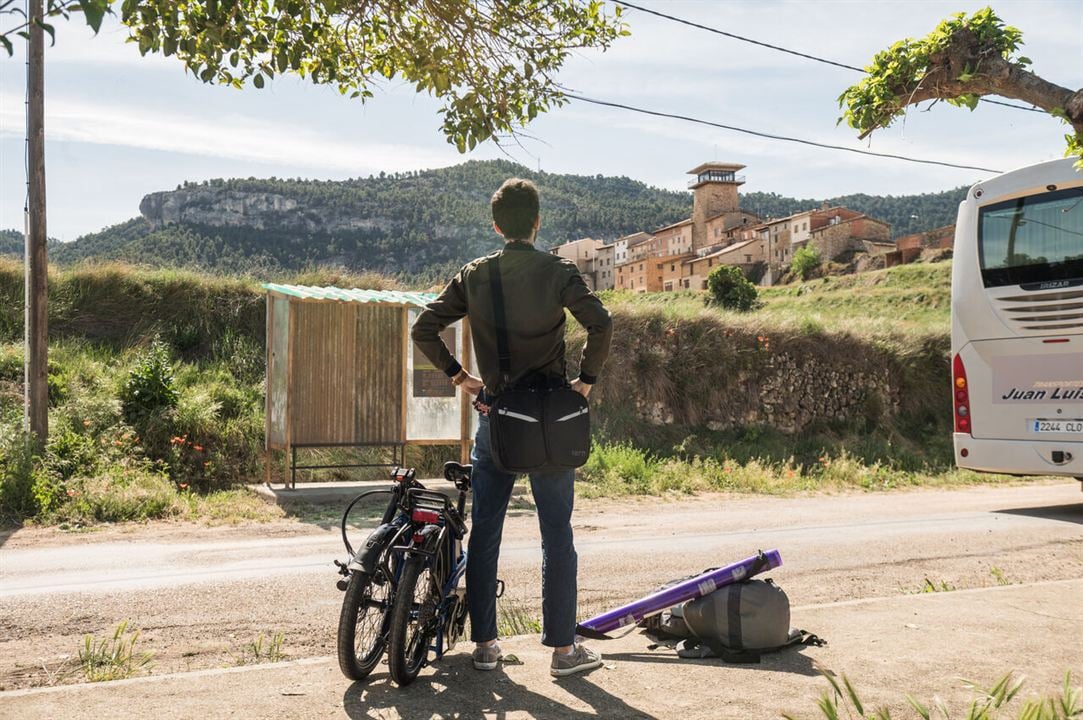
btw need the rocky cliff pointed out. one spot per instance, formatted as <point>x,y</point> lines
<point>217,207</point>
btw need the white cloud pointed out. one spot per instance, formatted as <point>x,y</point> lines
<point>225,136</point>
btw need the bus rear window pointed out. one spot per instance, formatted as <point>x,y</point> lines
<point>1032,239</point>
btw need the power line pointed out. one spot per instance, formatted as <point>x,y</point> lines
<point>716,31</point>
<point>779,48</point>
<point>757,133</point>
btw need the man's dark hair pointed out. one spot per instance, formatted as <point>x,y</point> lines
<point>515,208</point>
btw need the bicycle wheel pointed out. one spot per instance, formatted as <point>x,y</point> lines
<point>362,624</point>
<point>412,621</point>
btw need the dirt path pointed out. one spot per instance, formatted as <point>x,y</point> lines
<point>201,594</point>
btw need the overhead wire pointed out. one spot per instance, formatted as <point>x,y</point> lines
<point>771,136</point>
<point>789,51</point>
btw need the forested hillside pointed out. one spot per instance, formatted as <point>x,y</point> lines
<point>11,242</point>
<point>414,222</point>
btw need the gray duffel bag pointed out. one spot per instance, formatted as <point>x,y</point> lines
<point>736,623</point>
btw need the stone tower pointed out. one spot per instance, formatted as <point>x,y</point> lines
<point>714,191</point>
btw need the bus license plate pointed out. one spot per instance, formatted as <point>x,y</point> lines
<point>1061,427</point>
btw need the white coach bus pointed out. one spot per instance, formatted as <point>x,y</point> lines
<point>1017,323</point>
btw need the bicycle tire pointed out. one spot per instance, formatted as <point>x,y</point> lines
<point>358,610</point>
<point>407,653</point>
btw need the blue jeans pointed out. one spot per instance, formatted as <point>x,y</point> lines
<point>554,495</point>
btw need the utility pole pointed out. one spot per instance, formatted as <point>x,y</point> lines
<point>37,318</point>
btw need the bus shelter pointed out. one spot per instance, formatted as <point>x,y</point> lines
<point>342,372</point>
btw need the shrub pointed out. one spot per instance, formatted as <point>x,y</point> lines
<point>805,260</point>
<point>728,287</point>
<point>16,478</point>
<point>149,388</point>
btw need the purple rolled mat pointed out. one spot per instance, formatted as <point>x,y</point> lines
<point>690,589</point>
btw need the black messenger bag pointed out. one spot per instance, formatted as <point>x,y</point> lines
<point>541,423</point>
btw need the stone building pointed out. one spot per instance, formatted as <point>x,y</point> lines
<point>604,271</point>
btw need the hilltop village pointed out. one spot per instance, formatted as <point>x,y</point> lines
<point>681,256</point>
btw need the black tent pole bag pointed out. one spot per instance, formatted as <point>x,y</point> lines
<point>540,423</point>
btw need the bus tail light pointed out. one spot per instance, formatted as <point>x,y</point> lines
<point>960,396</point>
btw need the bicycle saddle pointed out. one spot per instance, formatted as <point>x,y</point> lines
<point>458,474</point>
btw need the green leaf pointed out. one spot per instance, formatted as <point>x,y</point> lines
<point>94,10</point>
<point>258,80</point>
<point>52,33</point>
<point>7,45</point>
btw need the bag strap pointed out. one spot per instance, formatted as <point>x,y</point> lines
<point>733,617</point>
<point>746,656</point>
<point>496,290</point>
<point>592,634</point>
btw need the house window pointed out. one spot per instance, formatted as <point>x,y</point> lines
<point>672,268</point>
<point>748,258</point>
<point>704,285</point>
<point>710,262</point>
<point>668,287</point>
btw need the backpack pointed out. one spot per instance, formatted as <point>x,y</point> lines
<point>737,623</point>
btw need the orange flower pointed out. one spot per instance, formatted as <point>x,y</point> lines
<point>86,423</point>
<point>71,493</point>
<point>197,448</point>
<point>183,486</point>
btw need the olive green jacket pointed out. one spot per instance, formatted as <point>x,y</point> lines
<point>537,286</point>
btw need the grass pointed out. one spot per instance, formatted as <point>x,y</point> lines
<point>909,300</point>
<point>512,618</point>
<point>112,658</point>
<point>933,587</point>
<point>989,703</point>
<point>999,576</point>
<point>622,469</point>
<point>261,650</point>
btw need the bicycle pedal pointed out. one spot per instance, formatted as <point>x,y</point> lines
<point>500,588</point>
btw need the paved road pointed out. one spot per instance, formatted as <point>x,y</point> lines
<point>201,594</point>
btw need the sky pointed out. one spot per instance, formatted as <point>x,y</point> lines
<point>119,125</point>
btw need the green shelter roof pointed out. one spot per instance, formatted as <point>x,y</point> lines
<point>393,297</point>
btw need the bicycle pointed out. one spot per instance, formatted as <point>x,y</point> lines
<point>374,572</point>
<point>428,612</point>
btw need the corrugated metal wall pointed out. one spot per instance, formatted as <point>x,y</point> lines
<point>347,373</point>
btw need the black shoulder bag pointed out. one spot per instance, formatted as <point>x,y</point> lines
<point>540,423</point>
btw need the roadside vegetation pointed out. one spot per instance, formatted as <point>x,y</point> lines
<point>113,658</point>
<point>263,649</point>
<point>989,703</point>
<point>156,382</point>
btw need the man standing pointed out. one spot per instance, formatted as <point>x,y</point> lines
<point>537,287</point>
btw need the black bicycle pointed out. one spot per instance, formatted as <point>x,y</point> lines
<point>428,612</point>
<point>376,571</point>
